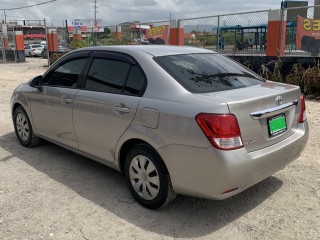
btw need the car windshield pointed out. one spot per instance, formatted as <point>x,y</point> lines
<point>210,72</point>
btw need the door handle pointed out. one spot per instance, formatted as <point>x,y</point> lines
<point>66,100</point>
<point>121,109</point>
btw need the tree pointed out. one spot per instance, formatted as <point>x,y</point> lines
<point>107,30</point>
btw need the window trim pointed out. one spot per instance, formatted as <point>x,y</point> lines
<point>66,59</point>
<point>116,56</point>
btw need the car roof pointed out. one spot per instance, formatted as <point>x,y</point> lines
<point>154,50</point>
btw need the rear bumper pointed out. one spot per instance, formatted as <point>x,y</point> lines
<point>36,54</point>
<point>208,172</point>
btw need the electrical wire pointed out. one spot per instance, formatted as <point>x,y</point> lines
<point>33,5</point>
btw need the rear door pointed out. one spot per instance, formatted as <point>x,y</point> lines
<point>106,104</point>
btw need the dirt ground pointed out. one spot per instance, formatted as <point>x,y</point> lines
<point>48,192</point>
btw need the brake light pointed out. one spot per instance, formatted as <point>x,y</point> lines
<point>222,130</point>
<point>303,114</point>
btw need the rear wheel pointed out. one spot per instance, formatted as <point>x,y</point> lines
<point>147,178</point>
<point>23,128</point>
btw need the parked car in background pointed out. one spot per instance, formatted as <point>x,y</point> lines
<point>32,50</point>
<point>172,119</point>
<point>44,52</point>
<point>61,49</point>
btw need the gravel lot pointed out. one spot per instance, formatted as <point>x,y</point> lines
<point>50,193</point>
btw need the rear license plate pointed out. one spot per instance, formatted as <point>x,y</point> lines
<point>277,125</point>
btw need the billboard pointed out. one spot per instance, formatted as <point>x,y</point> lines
<point>308,34</point>
<point>158,35</point>
<point>85,25</point>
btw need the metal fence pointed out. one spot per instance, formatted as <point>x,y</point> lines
<point>241,33</point>
<point>143,33</point>
<point>7,48</point>
<point>246,33</point>
<point>232,34</point>
<point>158,33</point>
<point>291,15</point>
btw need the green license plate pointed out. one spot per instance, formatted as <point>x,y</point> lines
<point>277,125</point>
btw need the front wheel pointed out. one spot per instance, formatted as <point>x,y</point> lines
<point>23,128</point>
<point>147,178</point>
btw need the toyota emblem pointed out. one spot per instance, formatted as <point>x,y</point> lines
<point>279,100</point>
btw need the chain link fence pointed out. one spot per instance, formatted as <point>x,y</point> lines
<point>154,33</point>
<point>7,47</point>
<point>291,16</point>
<point>64,43</point>
<point>240,33</point>
<point>230,34</point>
<point>136,33</point>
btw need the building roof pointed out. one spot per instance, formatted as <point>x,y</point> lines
<point>189,35</point>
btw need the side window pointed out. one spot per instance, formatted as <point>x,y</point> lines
<point>135,81</point>
<point>107,75</point>
<point>66,75</point>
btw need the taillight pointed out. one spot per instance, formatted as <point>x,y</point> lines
<point>303,114</point>
<point>222,130</point>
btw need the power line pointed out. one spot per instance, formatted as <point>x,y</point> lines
<point>33,5</point>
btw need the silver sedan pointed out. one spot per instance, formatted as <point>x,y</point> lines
<point>172,119</point>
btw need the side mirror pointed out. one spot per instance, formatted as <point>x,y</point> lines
<point>37,82</point>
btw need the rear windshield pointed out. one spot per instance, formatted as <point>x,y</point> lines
<point>209,72</point>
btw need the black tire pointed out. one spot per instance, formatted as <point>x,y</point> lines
<point>165,193</point>
<point>20,118</point>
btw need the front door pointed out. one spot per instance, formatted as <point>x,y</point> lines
<point>52,107</point>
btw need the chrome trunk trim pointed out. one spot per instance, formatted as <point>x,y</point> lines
<point>273,111</point>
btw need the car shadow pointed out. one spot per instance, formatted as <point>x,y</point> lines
<point>188,217</point>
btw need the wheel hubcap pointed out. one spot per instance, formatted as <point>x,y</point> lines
<point>144,177</point>
<point>22,127</point>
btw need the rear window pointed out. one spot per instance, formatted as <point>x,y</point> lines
<point>209,72</point>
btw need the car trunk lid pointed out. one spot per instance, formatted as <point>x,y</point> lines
<point>267,113</point>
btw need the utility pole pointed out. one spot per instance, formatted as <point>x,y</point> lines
<point>95,20</point>
<point>95,10</point>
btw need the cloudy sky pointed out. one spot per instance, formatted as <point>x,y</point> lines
<point>118,11</point>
